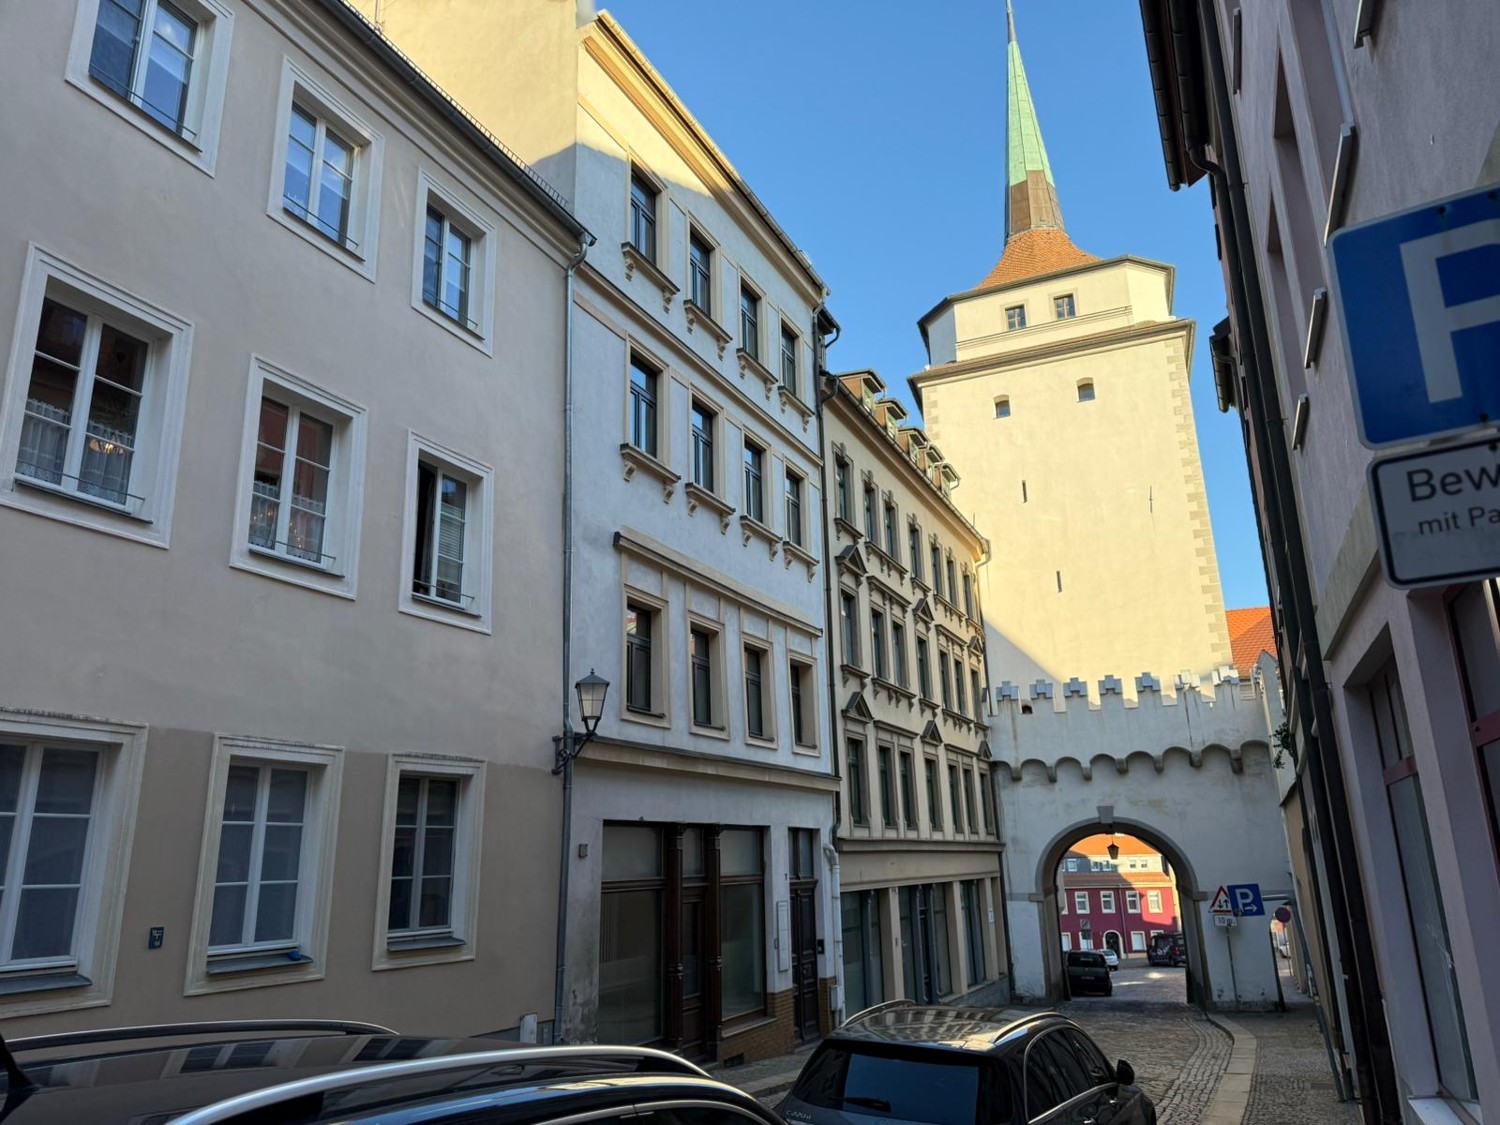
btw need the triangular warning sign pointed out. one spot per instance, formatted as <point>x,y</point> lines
<point>1220,904</point>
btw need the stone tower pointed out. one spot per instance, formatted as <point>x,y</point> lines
<point>1059,387</point>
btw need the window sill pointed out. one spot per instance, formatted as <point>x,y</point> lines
<point>700,497</point>
<point>635,260</point>
<point>748,364</point>
<point>843,525</point>
<point>200,157</point>
<point>269,564</point>
<point>752,528</point>
<point>255,962</point>
<point>637,458</point>
<point>893,688</point>
<point>416,942</point>
<point>791,398</point>
<point>444,613</point>
<point>648,718</point>
<point>19,984</point>
<point>761,741</point>
<point>792,551</point>
<point>699,317</point>
<point>31,483</point>
<point>475,337</point>
<point>748,1021</point>
<point>711,730</point>
<point>335,249</point>
<point>853,671</point>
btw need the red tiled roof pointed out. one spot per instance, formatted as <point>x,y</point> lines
<point>1033,253</point>
<point>1250,634</point>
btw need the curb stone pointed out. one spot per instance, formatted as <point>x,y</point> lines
<point>1232,1094</point>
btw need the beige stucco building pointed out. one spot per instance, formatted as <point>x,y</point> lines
<point>277,450</point>
<point>919,854</point>
<point>701,880</point>
<point>1059,385</point>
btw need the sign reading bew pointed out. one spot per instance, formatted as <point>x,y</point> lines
<point>1419,298</point>
<point>1438,514</point>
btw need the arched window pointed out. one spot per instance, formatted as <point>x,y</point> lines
<point>1086,390</point>
<point>1002,406</point>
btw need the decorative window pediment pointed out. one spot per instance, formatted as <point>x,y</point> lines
<point>931,736</point>
<point>857,708</point>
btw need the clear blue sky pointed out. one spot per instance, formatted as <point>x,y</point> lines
<point>874,132</point>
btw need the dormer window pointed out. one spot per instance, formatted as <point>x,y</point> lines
<point>1015,317</point>
<point>1065,307</point>
<point>1086,390</point>
<point>1002,406</point>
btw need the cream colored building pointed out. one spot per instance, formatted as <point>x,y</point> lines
<point>1059,385</point>
<point>920,859</point>
<point>701,879</point>
<point>277,452</point>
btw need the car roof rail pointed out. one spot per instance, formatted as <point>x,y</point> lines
<point>355,1077</point>
<point>1021,1024</point>
<point>211,1027</point>
<point>875,1009</point>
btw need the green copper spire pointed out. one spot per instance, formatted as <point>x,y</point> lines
<point>1031,197</point>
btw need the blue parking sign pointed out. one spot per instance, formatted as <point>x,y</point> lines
<point>1418,295</point>
<point>1245,900</point>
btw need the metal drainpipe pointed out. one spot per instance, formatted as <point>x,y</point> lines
<point>559,985</point>
<point>831,853</point>
<point>1374,1066</point>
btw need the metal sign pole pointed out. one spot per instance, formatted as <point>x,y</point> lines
<point>1233,983</point>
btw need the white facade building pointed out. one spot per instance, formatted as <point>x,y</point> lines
<point>700,884</point>
<point>276,449</point>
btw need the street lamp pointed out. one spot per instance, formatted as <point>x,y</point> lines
<point>1113,849</point>
<point>566,747</point>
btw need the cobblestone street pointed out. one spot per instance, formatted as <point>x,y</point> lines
<point>1178,1055</point>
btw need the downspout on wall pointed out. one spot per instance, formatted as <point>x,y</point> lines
<point>559,992</point>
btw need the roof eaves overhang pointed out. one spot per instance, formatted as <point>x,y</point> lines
<point>488,145</point>
<point>669,98</point>
<point>1173,54</point>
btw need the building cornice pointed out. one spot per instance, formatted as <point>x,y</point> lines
<point>671,759</point>
<point>916,845</point>
<point>1038,279</point>
<point>608,44</point>
<point>875,437</point>
<point>1079,345</point>
<point>642,546</point>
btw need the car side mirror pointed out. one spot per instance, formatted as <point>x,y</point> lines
<point>1124,1073</point>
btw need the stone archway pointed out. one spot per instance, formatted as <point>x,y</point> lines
<point>1188,891</point>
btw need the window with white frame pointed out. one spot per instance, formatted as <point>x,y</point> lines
<point>645,381</point>
<point>788,358</point>
<point>1107,901</point>
<point>302,491</point>
<point>1072,864</point>
<point>704,668</point>
<point>453,275</point>
<point>704,422</point>
<point>1015,317</point>
<point>266,873</point>
<point>701,272</point>
<point>1067,941</point>
<point>94,412</point>
<point>449,530</point>
<point>1065,307</point>
<point>1153,901</point>
<point>643,657</point>
<point>1133,902</point>
<point>1137,941</point>
<point>794,487</point>
<point>1081,901</point>
<point>804,703</point>
<point>325,186</point>
<point>160,64</point>
<point>643,200</point>
<point>431,860</point>
<point>758,711</point>
<point>755,481</point>
<point>749,321</point>
<point>68,791</point>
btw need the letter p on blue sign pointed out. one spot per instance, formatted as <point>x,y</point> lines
<point>1419,301</point>
<point>1245,899</point>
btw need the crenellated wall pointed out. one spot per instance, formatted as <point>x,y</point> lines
<point>1190,773</point>
<point>1046,724</point>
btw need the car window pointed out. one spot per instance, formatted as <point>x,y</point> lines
<point>873,1080</point>
<point>1088,1053</point>
<point>1059,1074</point>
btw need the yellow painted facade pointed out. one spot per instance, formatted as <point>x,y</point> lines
<point>1074,431</point>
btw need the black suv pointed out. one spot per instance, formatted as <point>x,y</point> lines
<point>302,1071</point>
<point>898,1062</point>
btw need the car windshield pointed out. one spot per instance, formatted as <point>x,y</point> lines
<point>874,1080</point>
